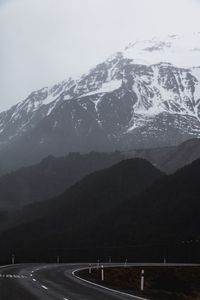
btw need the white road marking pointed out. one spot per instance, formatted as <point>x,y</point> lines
<point>12,276</point>
<point>34,279</point>
<point>105,288</point>
<point>44,287</point>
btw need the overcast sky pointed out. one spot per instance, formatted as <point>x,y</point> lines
<point>45,41</point>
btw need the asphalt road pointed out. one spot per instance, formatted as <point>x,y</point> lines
<point>50,282</point>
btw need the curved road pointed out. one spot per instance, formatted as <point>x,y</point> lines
<point>50,282</point>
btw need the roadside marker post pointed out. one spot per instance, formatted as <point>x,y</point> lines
<point>90,268</point>
<point>125,264</point>
<point>98,264</point>
<point>142,280</point>
<point>102,273</point>
<point>13,259</point>
<point>58,259</point>
<point>110,259</point>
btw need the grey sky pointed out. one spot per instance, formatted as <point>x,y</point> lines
<point>44,41</point>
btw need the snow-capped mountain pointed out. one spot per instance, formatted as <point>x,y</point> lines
<point>145,96</point>
<point>26,114</point>
<point>180,50</point>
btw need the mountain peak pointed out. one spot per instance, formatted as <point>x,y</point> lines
<point>145,96</point>
<point>180,50</point>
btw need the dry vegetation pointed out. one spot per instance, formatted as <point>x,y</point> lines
<point>161,283</point>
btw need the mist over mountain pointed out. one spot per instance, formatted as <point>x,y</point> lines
<point>99,149</point>
<point>146,96</point>
<point>66,219</point>
<point>130,208</point>
<point>143,102</point>
<point>169,159</point>
<point>53,175</point>
<point>49,178</point>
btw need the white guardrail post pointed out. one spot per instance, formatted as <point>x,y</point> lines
<point>90,268</point>
<point>98,264</point>
<point>142,280</point>
<point>13,259</point>
<point>102,273</point>
<point>125,264</point>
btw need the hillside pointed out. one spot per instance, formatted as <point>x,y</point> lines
<point>51,177</point>
<point>64,221</point>
<point>169,159</point>
<point>130,209</point>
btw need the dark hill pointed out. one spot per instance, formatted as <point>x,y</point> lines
<point>128,210</point>
<point>64,221</point>
<point>51,177</point>
<point>169,159</point>
<point>162,221</point>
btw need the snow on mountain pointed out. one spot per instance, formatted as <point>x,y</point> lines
<point>107,87</point>
<point>26,114</point>
<point>146,96</point>
<point>180,50</point>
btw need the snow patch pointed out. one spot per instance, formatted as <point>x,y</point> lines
<point>180,50</point>
<point>107,87</point>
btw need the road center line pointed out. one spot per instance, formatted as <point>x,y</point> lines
<point>44,287</point>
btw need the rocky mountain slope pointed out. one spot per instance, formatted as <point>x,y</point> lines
<point>145,96</point>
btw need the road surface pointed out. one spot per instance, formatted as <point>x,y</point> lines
<point>50,282</point>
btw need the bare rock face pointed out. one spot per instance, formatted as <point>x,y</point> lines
<point>145,96</point>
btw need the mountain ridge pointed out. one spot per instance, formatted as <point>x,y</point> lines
<point>103,214</point>
<point>118,105</point>
<point>91,198</point>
